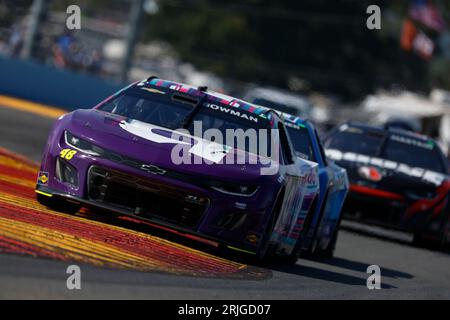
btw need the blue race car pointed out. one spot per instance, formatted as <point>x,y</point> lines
<point>323,226</point>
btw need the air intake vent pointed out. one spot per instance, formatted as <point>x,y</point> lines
<point>184,99</point>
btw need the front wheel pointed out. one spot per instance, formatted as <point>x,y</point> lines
<point>296,253</point>
<point>328,252</point>
<point>58,204</point>
<point>265,251</point>
<point>310,251</point>
<point>445,237</point>
<point>440,242</point>
<point>422,241</point>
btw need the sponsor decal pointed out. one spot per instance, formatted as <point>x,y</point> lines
<point>252,238</point>
<point>293,211</point>
<point>180,87</point>
<point>294,124</point>
<point>43,178</point>
<point>236,113</point>
<point>149,132</point>
<point>429,176</point>
<point>429,145</point>
<point>309,178</point>
<point>207,149</point>
<point>370,173</point>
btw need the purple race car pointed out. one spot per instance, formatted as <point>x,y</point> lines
<point>154,151</point>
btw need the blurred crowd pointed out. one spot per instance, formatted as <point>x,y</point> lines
<point>68,52</point>
<point>12,45</point>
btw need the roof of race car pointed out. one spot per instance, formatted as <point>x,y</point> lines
<point>279,96</point>
<point>301,122</point>
<point>383,129</point>
<point>211,95</point>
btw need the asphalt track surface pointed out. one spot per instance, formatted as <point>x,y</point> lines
<point>122,259</point>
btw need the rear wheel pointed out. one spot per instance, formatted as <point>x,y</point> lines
<point>58,204</point>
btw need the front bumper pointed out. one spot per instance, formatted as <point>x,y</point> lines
<point>235,221</point>
<point>180,231</point>
<point>392,212</point>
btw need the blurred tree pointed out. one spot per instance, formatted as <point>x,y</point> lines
<point>323,42</point>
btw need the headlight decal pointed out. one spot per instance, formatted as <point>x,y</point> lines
<point>82,145</point>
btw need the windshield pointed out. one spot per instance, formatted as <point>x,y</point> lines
<point>161,110</point>
<point>140,105</point>
<point>411,151</point>
<point>236,131</point>
<point>356,140</point>
<point>301,142</point>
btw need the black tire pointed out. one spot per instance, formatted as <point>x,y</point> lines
<point>328,252</point>
<point>420,240</point>
<point>445,237</point>
<point>264,251</point>
<point>310,252</point>
<point>295,254</point>
<point>58,204</point>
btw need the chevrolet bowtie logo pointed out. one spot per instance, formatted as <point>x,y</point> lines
<point>153,169</point>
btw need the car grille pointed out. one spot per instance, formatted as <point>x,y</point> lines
<point>137,164</point>
<point>145,198</point>
<point>374,210</point>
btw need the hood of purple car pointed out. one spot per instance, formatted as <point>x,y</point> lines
<point>155,145</point>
